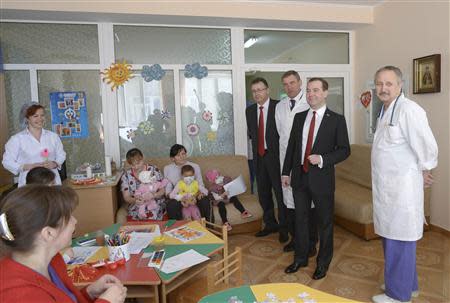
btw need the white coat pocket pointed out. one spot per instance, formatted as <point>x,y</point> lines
<point>394,134</point>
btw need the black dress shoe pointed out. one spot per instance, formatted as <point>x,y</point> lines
<point>283,237</point>
<point>264,232</point>
<point>312,252</point>
<point>294,267</point>
<point>321,271</point>
<point>289,247</point>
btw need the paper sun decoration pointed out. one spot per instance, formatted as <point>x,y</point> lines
<point>117,74</point>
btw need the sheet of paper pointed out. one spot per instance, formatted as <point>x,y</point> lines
<point>184,260</point>
<point>185,233</point>
<point>140,240</point>
<point>82,254</point>
<point>235,187</point>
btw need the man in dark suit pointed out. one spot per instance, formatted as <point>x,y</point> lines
<point>265,144</point>
<point>318,141</point>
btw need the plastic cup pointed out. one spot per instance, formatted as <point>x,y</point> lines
<point>100,238</point>
<point>158,242</point>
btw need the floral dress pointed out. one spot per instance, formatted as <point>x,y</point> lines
<point>131,183</point>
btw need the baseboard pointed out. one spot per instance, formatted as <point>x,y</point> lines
<point>439,230</point>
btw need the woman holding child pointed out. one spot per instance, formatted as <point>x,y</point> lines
<point>132,181</point>
<point>36,223</point>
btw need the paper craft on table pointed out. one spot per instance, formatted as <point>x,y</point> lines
<point>139,241</point>
<point>184,260</point>
<point>185,234</point>
<point>235,187</point>
<point>82,254</point>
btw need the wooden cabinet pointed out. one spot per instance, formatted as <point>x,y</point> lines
<point>97,205</point>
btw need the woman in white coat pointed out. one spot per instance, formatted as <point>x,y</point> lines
<point>34,146</point>
<point>403,153</point>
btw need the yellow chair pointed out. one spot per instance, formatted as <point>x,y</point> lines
<point>220,275</point>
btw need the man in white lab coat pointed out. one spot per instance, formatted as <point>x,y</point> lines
<point>403,153</point>
<point>286,109</point>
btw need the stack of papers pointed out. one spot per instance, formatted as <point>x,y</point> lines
<point>140,240</point>
<point>182,261</point>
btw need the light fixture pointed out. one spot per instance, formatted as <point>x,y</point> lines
<point>250,42</point>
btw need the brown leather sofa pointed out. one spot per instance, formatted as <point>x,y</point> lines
<point>353,196</point>
<point>232,166</point>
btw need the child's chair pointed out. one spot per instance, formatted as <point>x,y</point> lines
<point>220,275</point>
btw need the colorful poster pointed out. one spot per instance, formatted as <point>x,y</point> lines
<point>69,114</point>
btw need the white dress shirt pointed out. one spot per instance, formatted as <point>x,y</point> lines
<point>23,148</point>
<point>265,112</point>
<point>319,116</point>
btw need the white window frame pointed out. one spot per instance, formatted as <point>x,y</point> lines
<point>238,69</point>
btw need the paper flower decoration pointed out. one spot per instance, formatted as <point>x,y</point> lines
<point>207,115</point>
<point>365,98</point>
<point>224,117</point>
<point>146,127</point>
<point>44,154</point>
<point>117,74</point>
<point>195,70</point>
<point>131,134</point>
<point>165,114</point>
<point>154,72</point>
<point>192,129</point>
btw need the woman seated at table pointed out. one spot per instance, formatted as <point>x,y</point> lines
<point>173,173</point>
<point>130,184</point>
<point>36,223</point>
<point>34,146</point>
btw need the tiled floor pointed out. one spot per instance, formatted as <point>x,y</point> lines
<point>357,267</point>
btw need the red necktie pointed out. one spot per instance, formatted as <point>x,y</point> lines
<point>309,143</point>
<point>261,149</point>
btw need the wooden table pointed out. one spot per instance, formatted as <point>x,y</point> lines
<point>97,205</point>
<point>282,291</point>
<point>137,277</point>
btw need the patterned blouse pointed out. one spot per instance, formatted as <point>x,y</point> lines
<point>130,183</point>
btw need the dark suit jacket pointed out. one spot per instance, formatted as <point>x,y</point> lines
<point>271,137</point>
<point>331,143</point>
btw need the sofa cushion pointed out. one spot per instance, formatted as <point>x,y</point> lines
<point>353,202</point>
<point>357,167</point>
<point>250,203</point>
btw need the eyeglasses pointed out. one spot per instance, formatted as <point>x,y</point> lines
<point>256,91</point>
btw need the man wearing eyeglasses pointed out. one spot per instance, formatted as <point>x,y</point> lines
<point>263,132</point>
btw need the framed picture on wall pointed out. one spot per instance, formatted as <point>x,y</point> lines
<point>427,74</point>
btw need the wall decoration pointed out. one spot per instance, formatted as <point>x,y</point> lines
<point>146,127</point>
<point>69,114</point>
<point>427,74</point>
<point>192,129</point>
<point>165,115</point>
<point>211,136</point>
<point>195,70</point>
<point>207,115</point>
<point>365,98</point>
<point>131,134</point>
<point>154,72</point>
<point>117,74</point>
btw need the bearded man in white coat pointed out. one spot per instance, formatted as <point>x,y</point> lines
<point>404,151</point>
<point>295,102</point>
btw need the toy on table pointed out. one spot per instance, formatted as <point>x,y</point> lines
<point>149,184</point>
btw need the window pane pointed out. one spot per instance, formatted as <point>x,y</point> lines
<point>297,47</point>
<point>17,91</point>
<point>335,99</point>
<point>147,116</point>
<point>207,114</point>
<point>40,43</point>
<point>165,45</point>
<point>79,151</point>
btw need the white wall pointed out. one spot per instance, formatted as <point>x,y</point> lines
<point>400,33</point>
